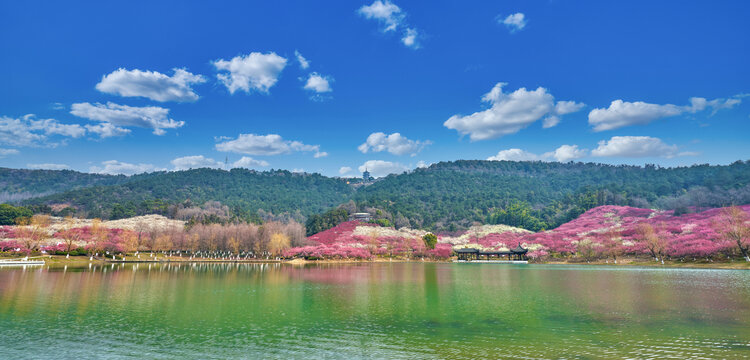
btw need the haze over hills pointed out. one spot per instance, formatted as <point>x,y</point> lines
<point>445,196</point>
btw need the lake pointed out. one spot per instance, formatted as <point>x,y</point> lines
<point>373,310</point>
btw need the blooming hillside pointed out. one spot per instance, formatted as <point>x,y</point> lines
<point>608,231</point>
<point>602,232</point>
<point>353,239</point>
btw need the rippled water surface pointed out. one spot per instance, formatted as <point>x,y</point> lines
<point>373,310</point>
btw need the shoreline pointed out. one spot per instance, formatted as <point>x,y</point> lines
<point>59,260</point>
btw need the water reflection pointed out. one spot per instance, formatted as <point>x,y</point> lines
<point>389,310</point>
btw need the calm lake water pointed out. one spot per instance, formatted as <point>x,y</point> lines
<point>377,310</point>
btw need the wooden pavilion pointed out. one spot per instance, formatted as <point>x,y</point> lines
<point>516,254</point>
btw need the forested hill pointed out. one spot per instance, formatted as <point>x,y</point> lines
<point>19,184</point>
<point>243,191</point>
<point>539,195</point>
<point>444,197</point>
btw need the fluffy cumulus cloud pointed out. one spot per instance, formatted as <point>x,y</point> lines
<point>624,113</point>
<point>514,155</point>
<point>564,153</point>
<point>392,19</point>
<point>253,72</point>
<point>395,143</point>
<point>271,144</point>
<point>249,163</point>
<point>150,117</point>
<point>386,12</point>
<point>635,147</point>
<point>345,170</point>
<point>514,22</point>
<point>195,162</point>
<point>380,168</point>
<point>114,167</point>
<point>303,63</point>
<point>48,166</point>
<point>151,84</point>
<point>30,131</point>
<point>318,83</point>
<point>511,112</point>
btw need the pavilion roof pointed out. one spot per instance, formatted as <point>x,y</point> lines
<point>519,250</point>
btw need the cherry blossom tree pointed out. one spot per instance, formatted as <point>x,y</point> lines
<point>734,225</point>
<point>650,239</point>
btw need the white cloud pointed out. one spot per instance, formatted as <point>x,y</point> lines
<point>345,170</point>
<point>195,162</point>
<point>48,166</point>
<point>410,38</point>
<point>380,168</point>
<point>393,19</point>
<point>514,155</point>
<point>271,144</point>
<point>394,143</point>
<point>621,113</point>
<point>303,63</point>
<point>514,22</point>
<point>566,153</point>
<point>255,71</point>
<point>151,84</point>
<point>700,104</point>
<point>511,112</point>
<point>624,113</point>
<point>318,83</point>
<point>6,152</point>
<point>114,167</point>
<point>27,131</point>
<point>150,117</point>
<point>248,162</point>
<point>422,164</point>
<point>385,12</point>
<point>298,170</point>
<point>105,130</point>
<point>320,154</point>
<point>636,146</point>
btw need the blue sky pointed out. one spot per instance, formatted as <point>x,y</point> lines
<point>140,86</point>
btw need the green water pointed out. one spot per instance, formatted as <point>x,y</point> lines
<point>378,310</point>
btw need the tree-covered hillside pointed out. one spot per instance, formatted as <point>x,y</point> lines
<point>19,184</point>
<point>446,196</point>
<point>244,191</point>
<point>539,195</point>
